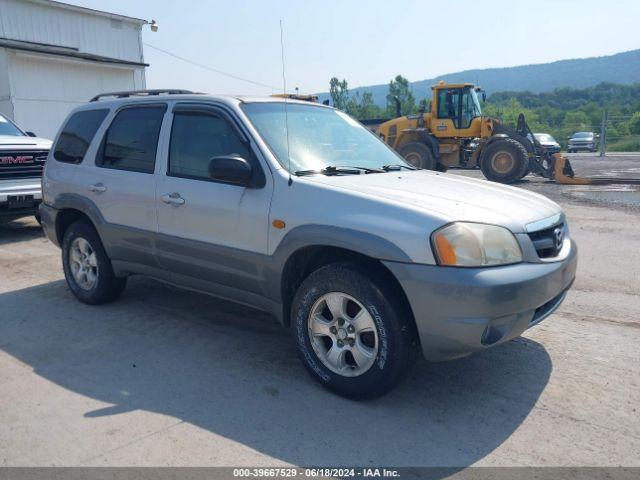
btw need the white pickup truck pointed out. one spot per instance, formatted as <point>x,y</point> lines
<point>22,158</point>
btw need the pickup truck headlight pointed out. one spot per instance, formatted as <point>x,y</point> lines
<point>463,244</point>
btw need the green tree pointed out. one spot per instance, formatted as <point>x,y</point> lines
<point>362,106</point>
<point>634,124</point>
<point>339,91</point>
<point>399,87</point>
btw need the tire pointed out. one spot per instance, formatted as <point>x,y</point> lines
<point>418,155</point>
<point>504,161</point>
<point>386,332</point>
<point>82,251</point>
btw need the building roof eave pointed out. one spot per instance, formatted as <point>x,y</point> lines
<point>62,51</point>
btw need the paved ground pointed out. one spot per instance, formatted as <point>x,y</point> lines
<point>169,377</point>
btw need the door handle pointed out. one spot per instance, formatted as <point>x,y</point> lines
<point>173,199</point>
<point>97,188</point>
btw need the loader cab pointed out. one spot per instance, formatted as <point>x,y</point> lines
<point>455,104</point>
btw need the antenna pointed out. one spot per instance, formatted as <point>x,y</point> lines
<point>286,113</point>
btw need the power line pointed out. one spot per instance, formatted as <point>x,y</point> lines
<point>211,69</point>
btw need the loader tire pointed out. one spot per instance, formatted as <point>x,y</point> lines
<point>418,155</point>
<point>504,161</point>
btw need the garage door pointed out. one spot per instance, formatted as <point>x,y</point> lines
<point>45,89</point>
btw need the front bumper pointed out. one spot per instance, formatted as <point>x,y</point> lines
<point>581,146</point>
<point>459,311</point>
<point>22,187</point>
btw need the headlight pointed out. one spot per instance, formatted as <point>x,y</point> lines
<point>475,245</point>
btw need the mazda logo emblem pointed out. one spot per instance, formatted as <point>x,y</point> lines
<point>558,237</point>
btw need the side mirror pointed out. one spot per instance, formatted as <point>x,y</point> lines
<point>231,169</point>
<point>30,134</point>
<point>597,135</point>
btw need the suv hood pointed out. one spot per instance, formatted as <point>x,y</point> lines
<point>11,142</point>
<point>452,197</point>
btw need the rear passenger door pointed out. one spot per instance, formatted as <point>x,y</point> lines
<point>122,182</point>
<point>208,230</point>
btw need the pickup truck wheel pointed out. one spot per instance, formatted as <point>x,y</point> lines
<point>505,161</point>
<point>87,268</point>
<point>418,155</point>
<point>349,336</point>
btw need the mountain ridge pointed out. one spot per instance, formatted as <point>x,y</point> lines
<point>622,68</point>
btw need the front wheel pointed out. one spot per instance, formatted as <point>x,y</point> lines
<point>349,335</point>
<point>504,160</point>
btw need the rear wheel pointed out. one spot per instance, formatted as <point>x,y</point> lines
<point>349,335</point>
<point>87,268</point>
<point>419,155</point>
<point>504,161</point>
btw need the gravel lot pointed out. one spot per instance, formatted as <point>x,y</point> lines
<point>170,377</point>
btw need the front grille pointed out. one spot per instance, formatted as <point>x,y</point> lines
<point>22,164</point>
<point>548,242</point>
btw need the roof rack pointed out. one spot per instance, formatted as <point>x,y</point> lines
<point>141,93</point>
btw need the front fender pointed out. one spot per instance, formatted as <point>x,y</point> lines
<point>305,236</point>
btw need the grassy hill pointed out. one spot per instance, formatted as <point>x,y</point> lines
<point>621,68</point>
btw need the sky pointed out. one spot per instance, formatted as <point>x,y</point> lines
<point>365,42</point>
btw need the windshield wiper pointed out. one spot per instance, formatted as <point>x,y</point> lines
<point>339,170</point>
<point>396,167</point>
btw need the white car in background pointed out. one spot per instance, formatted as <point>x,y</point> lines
<point>22,158</point>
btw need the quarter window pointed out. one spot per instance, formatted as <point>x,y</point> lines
<point>132,139</point>
<point>77,135</point>
<point>197,137</point>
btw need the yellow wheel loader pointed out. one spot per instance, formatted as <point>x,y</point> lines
<point>453,132</point>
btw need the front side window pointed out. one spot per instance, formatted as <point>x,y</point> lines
<point>470,107</point>
<point>8,128</point>
<point>132,139</point>
<point>197,137</point>
<point>77,134</point>
<point>319,137</point>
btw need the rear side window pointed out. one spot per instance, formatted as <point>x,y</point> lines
<point>132,139</point>
<point>198,137</point>
<point>77,135</point>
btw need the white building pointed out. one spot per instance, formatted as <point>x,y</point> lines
<point>54,56</point>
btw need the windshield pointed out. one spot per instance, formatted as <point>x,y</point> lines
<point>583,135</point>
<point>319,137</point>
<point>8,128</point>
<point>545,137</point>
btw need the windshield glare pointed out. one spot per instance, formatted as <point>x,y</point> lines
<point>8,128</point>
<point>583,135</point>
<point>545,137</point>
<point>319,137</point>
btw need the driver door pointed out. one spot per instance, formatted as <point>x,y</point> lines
<point>210,233</point>
<point>448,107</point>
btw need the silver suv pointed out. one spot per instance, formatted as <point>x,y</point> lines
<point>297,209</point>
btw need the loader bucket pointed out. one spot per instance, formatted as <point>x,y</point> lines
<point>564,174</point>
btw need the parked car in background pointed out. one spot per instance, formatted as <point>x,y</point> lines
<point>548,142</point>
<point>366,258</point>
<point>586,141</point>
<point>22,158</point>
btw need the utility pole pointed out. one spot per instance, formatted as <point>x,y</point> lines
<point>603,133</point>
